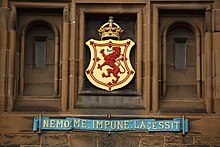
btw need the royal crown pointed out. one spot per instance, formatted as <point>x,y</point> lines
<point>110,30</point>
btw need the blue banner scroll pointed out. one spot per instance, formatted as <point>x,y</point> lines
<point>151,125</point>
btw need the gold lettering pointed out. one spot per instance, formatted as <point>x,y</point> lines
<point>154,126</point>
<point>177,123</point>
<point>113,128</point>
<point>59,123</point>
<point>142,125</point>
<point>52,123</point>
<point>45,124</point>
<point>171,125</point>
<point>126,125</point>
<point>76,122</point>
<point>161,125</point>
<point>135,125</point>
<point>66,124</point>
<point>93,124</point>
<point>107,123</point>
<point>149,124</point>
<point>167,125</point>
<point>83,123</point>
<point>120,125</point>
<point>99,124</point>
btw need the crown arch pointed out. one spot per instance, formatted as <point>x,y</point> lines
<point>110,30</point>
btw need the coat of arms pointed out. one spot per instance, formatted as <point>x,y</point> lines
<point>110,66</point>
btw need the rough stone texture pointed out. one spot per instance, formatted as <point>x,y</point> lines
<point>179,139</point>
<point>206,140</point>
<point>3,46</point>
<point>83,140</point>
<point>204,130</point>
<point>216,43</point>
<point>177,145</point>
<point>127,140</point>
<point>55,140</point>
<point>4,3</point>
<point>1,140</point>
<point>217,19</point>
<point>152,141</point>
<point>30,146</point>
<point>103,139</point>
<point>106,140</point>
<point>17,139</point>
<point>3,14</point>
<point>143,144</point>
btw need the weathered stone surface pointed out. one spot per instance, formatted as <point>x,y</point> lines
<point>217,19</point>
<point>17,139</point>
<point>216,49</point>
<point>207,140</point>
<point>205,126</point>
<point>178,145</point>
<point>55,140</point>
<point>1,140</point>
<point>127,140</point>
<point>30,146</point>
<point>3,42</point>
<point>216,105</point>
<point>106,140</point>
<point>3,23</point>
<point>215,146</point>
<point>217,84</point>
<point>143,144</point>
<point>4,3</point>
<point>179,139</point>
<point>83,140</point>
<point>153,141</point>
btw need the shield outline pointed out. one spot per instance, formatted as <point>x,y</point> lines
<point>92,43</point>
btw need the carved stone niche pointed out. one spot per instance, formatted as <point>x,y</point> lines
<point>91,18</point>
<point>38,88</point>
<point>92,24</point>
<point>181,89</point>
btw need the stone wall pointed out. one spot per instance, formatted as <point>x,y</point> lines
<point>16,127</point>
<point>124,139</point>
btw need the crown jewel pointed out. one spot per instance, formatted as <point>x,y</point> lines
<point>110,30</point>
